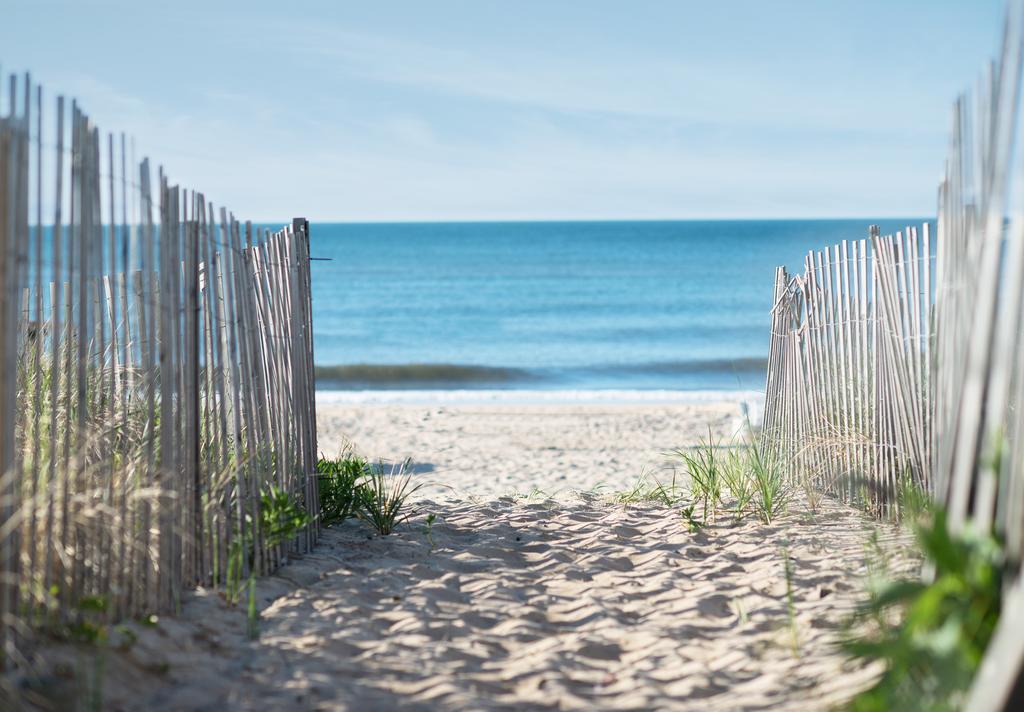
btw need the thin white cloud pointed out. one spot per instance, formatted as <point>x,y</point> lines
<point>645,86</point>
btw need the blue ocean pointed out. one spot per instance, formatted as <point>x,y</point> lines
<point>675,305</point>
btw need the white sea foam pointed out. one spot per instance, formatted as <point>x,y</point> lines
<point>752,400</point>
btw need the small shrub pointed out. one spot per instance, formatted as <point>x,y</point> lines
<point>933,653</point>
<point>382,495</point>
<point>339,482</point>
<point>429,529</point>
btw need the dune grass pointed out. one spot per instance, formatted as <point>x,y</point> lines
<point>771,491</point>
<point>339,481</point>
<point>737,482</point>
<point>376,494</point>
<point>704,468</point>
<point>383,494</point>
<point>648,489</point>
<point>745,479</point>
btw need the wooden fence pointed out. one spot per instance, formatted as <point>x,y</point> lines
<point>978,463</point>
<point>849,393</point>
<point>157,377</point>
<point>901,370</point>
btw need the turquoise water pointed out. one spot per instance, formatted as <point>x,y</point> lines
<point>562,305</point>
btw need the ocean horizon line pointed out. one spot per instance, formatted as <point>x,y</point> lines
<point>598,221</point>
<point>276,224</point>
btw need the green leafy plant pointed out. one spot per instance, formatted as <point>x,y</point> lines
<point>383,494</point>
<point>693,524</point>
<point>943,628</point>
<point>429,529</point>
<point>88,626</point>
<point>339,483</point>
<point>281,517</point>
<point>771,493</point>
<point>233,590</point>
<point>126,637</point>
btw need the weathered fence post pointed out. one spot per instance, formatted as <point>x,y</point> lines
<point>304,373</point>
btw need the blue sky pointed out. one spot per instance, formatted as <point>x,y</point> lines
<point>445,110</point>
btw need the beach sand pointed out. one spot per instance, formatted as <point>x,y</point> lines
<point>528,601</point>
<point>489,450</point>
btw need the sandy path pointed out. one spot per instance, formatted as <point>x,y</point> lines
<point>543,604</point>
<point>526,604</point>
<point>523,602</point>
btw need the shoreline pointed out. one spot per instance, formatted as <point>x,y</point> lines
<point>670,395</point>
<point>753,400</point>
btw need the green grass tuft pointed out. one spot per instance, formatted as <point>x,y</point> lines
<point>737,481</point>
<point>339,483</point>
<point>382,495</point>
<point>705,473</point>
<point>771,493</point>
<point>648,489</point>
